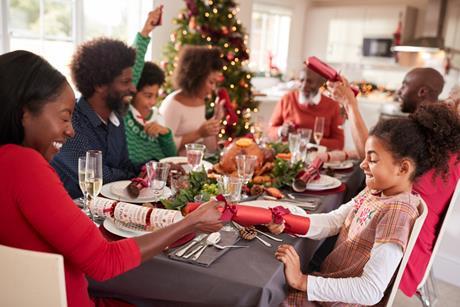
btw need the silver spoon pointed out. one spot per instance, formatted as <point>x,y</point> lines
<point>212,239</point>
<point>228,246</point>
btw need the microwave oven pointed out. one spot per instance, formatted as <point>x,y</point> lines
<point>377,47</point>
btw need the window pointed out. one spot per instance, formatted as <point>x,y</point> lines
<point>270,29</point>
<point>53,28</point>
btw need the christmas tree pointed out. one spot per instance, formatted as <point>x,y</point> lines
<point>214,23</point>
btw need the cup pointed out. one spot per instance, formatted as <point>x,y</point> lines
<point>157,175</point>
<point>194,154</point>
<point>245,166</point>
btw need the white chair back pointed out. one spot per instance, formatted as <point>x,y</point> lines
<point>455,200</point>
<point>423,211</point>
<point>29,278</point>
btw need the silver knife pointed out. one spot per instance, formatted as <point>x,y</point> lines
<point>184,249</point>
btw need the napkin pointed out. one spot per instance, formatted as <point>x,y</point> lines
<point>134,214</point>
<point>211,253</point>
<point>312,171</point>
<point>326,71</point>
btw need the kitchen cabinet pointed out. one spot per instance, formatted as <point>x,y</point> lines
<point>336,33</point>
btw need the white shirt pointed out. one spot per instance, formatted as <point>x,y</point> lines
<point>367,289</point>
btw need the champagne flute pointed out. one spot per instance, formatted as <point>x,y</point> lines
<point>318,130</point>
<point>82,184</point>
<point>93,178</point>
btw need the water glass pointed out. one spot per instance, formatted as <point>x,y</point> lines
<point>230,188</point>
<point>294,143</point>
<point>305,136</point>
<point>318,130</point>
<point>81,183</point>
<point>245,165</point>
<point>93,177</point>
<point>195,154</point>
<point>157,174</point>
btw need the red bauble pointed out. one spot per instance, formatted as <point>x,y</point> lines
<point>230,56</point>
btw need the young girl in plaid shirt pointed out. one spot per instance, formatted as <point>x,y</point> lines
<point>373,228</point>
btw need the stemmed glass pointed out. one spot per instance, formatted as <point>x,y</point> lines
<point>294,142</point>
<point>245,165</point>
<point>258,130</point>
<point>319,129</point>
<point>230,188</point>
<point>93,178</point>
<point>81,183</point>
<point>305,136</point>
<point>157,174</point>
<point>195,154</point>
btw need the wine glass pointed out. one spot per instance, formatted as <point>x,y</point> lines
<point>195,154</point>
<point>93,178</point>
<point>245,165</point>
<point>305,136</point>
<point>318,130</point>
<point>230,188</point>
<point>157,174</point>
<point>81,183</point>
<point>258,130</point>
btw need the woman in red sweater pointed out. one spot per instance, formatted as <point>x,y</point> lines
<point>37,213</point>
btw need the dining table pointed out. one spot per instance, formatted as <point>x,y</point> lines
<point>241,277</point>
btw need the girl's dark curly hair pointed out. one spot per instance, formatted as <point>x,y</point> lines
<point>194,66</point>
<point>98,62</point>
<point>428,137</point>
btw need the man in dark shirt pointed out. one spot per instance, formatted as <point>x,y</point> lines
<point>101,70</point>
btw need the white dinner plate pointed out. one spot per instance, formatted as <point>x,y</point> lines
<point>324,183</point>
<point>273,203</point>
<point>125,233</point>
<point>117,190</point>
<point>339,165</point>
<point>183,162</point>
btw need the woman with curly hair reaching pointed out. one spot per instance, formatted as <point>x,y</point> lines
<point>374,227</point>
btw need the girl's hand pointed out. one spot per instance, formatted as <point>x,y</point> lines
<point>154,129</point>
<point>153,20</point>
<point>210,128</point>
<point>276,228</point>
<point>289,257</point>
<point>206,218</point>
<point>342,93</point>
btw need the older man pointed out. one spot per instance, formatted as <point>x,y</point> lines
<point>101,70</point>
<point>299,109</point>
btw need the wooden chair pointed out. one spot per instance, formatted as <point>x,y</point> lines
<point>30,278</point>
<point>427,291</point>
<point>423,212</point>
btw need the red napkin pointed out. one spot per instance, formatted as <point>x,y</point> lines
<point>326,71</point>
<point>312,171</point>
<point>248,216</point>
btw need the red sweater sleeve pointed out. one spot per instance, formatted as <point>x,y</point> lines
<point>48,208</point>
<point>277,118</point>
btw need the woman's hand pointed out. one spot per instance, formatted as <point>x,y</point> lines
<point>209,128</point>
<point>219,111</point>
<point>276,228</point>
<point>289,257</point>
<point>342,93</point>
<point>152,21</point>
<point>153,129</point>
<point>206,218</point>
